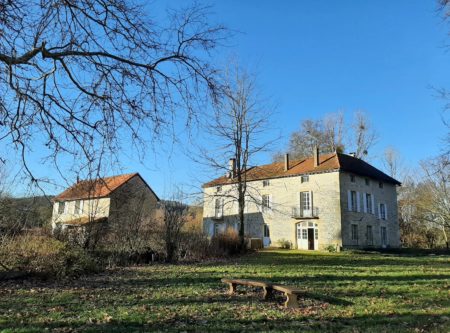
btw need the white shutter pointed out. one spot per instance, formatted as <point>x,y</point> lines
<point>349,202</point>
<point>373,204</point>
<point>358,199</point>
<point>385,211</point>
<point>379,211</point>
<point>365,202</point>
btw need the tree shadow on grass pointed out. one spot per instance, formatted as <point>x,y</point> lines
<point>292,321</point>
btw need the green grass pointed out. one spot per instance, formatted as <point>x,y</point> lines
<point>344,292</point>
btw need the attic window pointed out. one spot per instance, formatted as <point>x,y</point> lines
<point>305,179</point>
<point>266,183</point>
<point>352,178</point>
<point>367,181</point>
<point>219,188</point>
<point>380,184</point>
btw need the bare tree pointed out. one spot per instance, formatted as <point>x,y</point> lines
<point>331,134</point>
<point>175,217</point>
<point>435,196</point>
<point>364,135</point>
<point>237,127</point>
<point>391,161</point>
<point>79,77</point>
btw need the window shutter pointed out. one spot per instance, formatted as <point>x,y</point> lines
<point>300,200</point>
<point>311,200</point>
<point>358,199</point>
<point>373,204</point>
<point>379,211</point>
<point>365,202</point>
<point>349,200</point>
<point>385,211</point>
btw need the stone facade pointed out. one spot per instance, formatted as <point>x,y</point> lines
<point>331,217</point>
<point>126,202</point>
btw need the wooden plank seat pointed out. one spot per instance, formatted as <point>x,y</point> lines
<point>232,283</point>
<point>291,294</point>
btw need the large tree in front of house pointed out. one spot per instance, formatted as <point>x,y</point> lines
<point>238,129</point>
<point>82,79</point>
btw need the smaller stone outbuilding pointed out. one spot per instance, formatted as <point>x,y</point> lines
<point>104,203</point>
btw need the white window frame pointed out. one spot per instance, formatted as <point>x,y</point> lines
<point>383,212</point>
<point>266,202</point>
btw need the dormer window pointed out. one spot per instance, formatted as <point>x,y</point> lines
<point>352,178</point>
<point>305,179</point>
<point>266,183</point>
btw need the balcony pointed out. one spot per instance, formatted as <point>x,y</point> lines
<point>299,213</point>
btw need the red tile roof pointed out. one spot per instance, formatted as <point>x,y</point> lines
<point>97,188</point>
<point>328,162</point>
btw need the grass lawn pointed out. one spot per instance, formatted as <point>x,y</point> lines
<point>343,292</point>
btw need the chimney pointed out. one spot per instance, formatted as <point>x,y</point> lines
<point>286,162</point>
<point>232,168</point>
<point>316,156</point>
<point>78,179</point>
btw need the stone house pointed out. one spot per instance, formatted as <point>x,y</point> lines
<point>326,200</point>
<point>110,202</point>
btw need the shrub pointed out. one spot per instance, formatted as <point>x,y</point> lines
<point>331,248</point>
<point>226,243</point>
<point>44,256</point>
<point>284,244</point>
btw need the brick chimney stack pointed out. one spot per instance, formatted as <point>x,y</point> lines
<point>316,156</point>
<point>286,162</point>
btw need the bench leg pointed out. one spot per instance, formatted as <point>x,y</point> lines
<point>291,301</point>
<point>232,288</point>
<point>267,293</point>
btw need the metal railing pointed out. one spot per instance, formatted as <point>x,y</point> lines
<point>299,213</point>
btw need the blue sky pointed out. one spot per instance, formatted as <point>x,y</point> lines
<point>312,58</point>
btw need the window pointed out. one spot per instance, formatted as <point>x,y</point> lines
<point>265,202</point>
<point>352,178</point>
<point>355,232</point>
<point>369,203</point>
<point>219,188</point>
<point>380,184</point>
<point>316,233</point>
<point>383,236</point>
<point>61,207</point>
<point>369,235</point>
<point>383,211</point>
<point>353,201</point>
<point>266,231</point>
<point>367,181</point>
<point>305,203</point>
<point>218,208</point>
<point>305,179</point>
<point>266,183</point>
<point>78,209</point>
<point>304,233</point>
<point>216,229</point>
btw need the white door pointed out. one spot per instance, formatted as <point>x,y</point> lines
<point>307,236</point>
<point>266,238</point>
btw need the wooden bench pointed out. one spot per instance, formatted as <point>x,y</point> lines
<point>232,283</point>
<point>290,292</point>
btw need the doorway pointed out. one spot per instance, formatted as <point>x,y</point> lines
<point>307,236</point>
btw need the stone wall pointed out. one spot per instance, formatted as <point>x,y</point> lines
<point>386,194</point>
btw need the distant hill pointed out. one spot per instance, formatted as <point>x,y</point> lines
<point>26,212</point>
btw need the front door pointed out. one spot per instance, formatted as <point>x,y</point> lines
<point>310,238</point>
<point>307,236</point>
